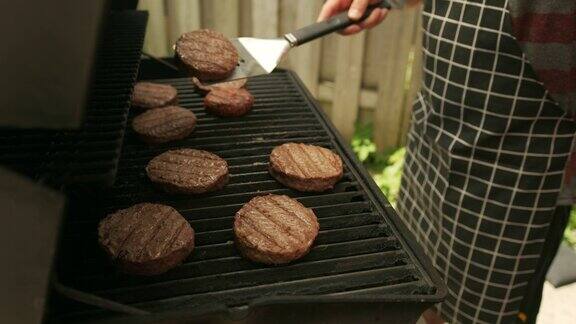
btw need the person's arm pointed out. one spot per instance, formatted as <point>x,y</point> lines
<point>356,9</point>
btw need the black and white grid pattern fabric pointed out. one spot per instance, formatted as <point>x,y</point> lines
<point>485,160</point>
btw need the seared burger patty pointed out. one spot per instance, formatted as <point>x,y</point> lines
<point>225,102</point>
<point>275,229</point>
<point>146,239</point>
<point>205,88</point>
<point>164,124</point>
<point>305,167</point>
<point>188,171</point>
<point>207,54</point>
<point>148,95</point>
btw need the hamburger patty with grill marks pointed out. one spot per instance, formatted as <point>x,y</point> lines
<point>225,102</point>
<point>207,54</point>
<point>146,239</point>
<point>164,124</point>
<point>148,95</point>
<point>305,167</point>
<point>275,229</point>
<point>188,171</point>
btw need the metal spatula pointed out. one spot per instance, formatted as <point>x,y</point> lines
<point>261,56</point>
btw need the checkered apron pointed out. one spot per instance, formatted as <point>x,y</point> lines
<point>485,158</point>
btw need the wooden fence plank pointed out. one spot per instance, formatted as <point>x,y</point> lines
<point>245,29</point>
<point>395,45</point>
<point>306,58</point>
<point>223,16</point>
<point>156,36</point>
<point>348,82</point>
<point>226,15</point>
<point>367,97</point>
<point>287,23</point>
<point>183,16</point>
<point>265,18</point>
<point>416,74</point>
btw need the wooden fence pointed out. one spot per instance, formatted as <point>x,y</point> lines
<point>370,77</point>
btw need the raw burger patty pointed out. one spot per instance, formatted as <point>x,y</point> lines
<point>228,102</point>
<point>207,54</point>
<point>148,95</point>
<point>188,171</point>
<point>164,124</point>
<point>305,167</point>
<point>146,239</point>
<point>275,229</point>
<point>205,88</point>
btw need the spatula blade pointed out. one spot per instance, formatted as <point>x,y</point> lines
<point>256,57</point>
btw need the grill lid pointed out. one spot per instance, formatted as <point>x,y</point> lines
<point>362,254</point>
<point>89,155</point>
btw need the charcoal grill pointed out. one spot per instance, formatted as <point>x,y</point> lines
<point>364,267</point>
<point>88,156</point>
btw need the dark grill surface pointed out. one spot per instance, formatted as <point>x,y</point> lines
<point>88,155</point>
<point>358,251</point>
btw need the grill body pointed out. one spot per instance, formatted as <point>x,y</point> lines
<point>364,267</point>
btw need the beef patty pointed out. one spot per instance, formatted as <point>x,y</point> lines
<point>305,167</point>
<point>188,171</point>
<point>148,95</point>
<point>146,239</point>
<point>164,124</point>
<point>228,102</point>
<point>207,54</point>
<point>205,88</point>
<point>275,229</point>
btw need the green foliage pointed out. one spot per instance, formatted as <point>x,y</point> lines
<point>389,179</point>
<point>362,142</point>
<point>570,232</point>
<point>385,168</point>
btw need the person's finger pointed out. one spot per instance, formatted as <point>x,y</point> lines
<point>374,15</point>
<point>374,19</point>
<point>357,9</point>
<point>332,7</point>
<point>351,30</point>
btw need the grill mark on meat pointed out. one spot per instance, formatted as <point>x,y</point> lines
<point>186,160</point>
<point>323,163</point>
<point>197,155</point>
<point>275,201</point>
<point>159,165</point>
<point>133,228</point>
<point>157,227</point>
<point>188,171</point>
<point>329,158</point>
<point>295,163</point>
<point>174,238</point>
<point>178,173</point>
<point>249,224</point>
<point>283,228</point>
<point>154,122</point>
<point>309,163</point>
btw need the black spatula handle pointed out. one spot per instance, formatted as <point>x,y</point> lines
<point>340,21</point>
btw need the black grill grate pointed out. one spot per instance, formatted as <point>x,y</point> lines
<point>359,251</point>
<point>88,155</point>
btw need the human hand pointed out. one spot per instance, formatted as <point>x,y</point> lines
<point>355,9</point>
